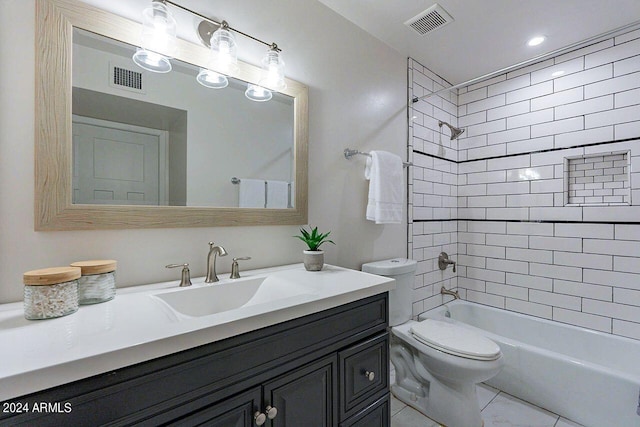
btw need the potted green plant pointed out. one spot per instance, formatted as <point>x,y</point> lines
<point>313,257</point>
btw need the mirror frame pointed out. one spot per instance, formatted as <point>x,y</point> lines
<point>55,20</point>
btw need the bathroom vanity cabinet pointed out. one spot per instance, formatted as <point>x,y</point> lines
<point>324,369</point>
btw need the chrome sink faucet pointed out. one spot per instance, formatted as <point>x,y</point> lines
<point>214,251</point>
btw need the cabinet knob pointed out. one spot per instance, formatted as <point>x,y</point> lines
<point>370,375</point>
<point>271,412</point>
<point>259,418</point>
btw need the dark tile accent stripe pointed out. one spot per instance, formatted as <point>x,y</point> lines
<point>593,144</point>
<point>538,222</point>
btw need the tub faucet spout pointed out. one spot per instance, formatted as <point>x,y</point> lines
<point>454,294</point>
<point>214,251</point>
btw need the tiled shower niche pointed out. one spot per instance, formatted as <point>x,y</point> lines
<point>598,179</point>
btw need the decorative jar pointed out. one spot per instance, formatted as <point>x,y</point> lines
<point>50,292</point>
<point>98,281</point>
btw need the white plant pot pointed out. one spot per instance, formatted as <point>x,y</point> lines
<point>313,260</point>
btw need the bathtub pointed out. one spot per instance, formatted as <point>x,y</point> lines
<point>589,377</point>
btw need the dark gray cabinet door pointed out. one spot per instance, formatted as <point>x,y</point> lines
<point>364,374</point>
<point>305,397</point>
<point>237,411</point>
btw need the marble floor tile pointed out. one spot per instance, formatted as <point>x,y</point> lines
<point>508,411</point>
<point>396,405</point>
<point>409,417</point>
<point>563,422</point>
<point>498,410</point>
<point>486,394</point>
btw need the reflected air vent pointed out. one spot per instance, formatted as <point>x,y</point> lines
<point>124,78</point>
<point>431,19</point>
<point>128,78</point>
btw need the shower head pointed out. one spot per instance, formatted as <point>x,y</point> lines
<point>455,132</point>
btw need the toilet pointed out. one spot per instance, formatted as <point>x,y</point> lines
<point>437,363</point>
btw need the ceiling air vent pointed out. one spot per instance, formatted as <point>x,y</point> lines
<point>123,78</point>
<point>431,19</point>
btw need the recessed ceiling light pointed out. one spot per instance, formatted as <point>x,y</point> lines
<point>535,41</point>
<point>557,73</point>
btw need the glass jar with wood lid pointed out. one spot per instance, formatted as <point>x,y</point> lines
<point>50,292</point>
<point>98,281</point>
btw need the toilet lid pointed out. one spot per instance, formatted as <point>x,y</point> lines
<point>455,340</point>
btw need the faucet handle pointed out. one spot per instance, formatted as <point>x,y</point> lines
<point>186,274</point>
<point>235,269</point>
<point>444,261</point>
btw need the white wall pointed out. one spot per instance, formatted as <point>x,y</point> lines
<point>520,247</point>
<point>357,95</point>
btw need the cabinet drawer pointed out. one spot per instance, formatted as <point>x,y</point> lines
<point>364,374</point>
<point>378,414</point>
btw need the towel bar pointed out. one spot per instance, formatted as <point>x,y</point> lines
<point>348,153</point>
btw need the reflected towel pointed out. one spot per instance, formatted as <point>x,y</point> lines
<point>252,193</point>
<point>384,172</point>
<point>277,194</point>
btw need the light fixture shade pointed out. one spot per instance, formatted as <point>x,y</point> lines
<point>158,39</point>
<point>224,53</point>
<point>257,93</point>
<point>152,61</point>
<point>211,79</point>
<point>273,70</point>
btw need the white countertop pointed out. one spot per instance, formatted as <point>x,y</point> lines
<point>135,326</point>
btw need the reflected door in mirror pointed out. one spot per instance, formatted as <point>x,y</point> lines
<point>117,164</point>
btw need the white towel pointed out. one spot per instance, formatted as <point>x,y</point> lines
<point>277,194</point>
<point>251,193</point>
<point>384,172</point>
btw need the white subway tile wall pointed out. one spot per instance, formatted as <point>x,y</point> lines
<point>433,191</point>
<point>497,198</point>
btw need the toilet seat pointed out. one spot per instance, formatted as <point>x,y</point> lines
<point>455,340</point>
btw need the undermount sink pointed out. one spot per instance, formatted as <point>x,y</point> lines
<point>207,299</point>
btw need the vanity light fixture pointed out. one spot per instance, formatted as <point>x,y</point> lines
<point>535,41</point>
<point>211,79</point>
<point>224,52</point>
<point>257,93</point>
<point>273,69</point>
<point>158,35</point>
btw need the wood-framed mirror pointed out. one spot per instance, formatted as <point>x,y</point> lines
<point>60,26</point>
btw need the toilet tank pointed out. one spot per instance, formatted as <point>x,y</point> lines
<point>400,298</point>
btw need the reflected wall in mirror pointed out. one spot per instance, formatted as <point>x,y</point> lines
<point>108,148</point>
<point>164,139</point>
